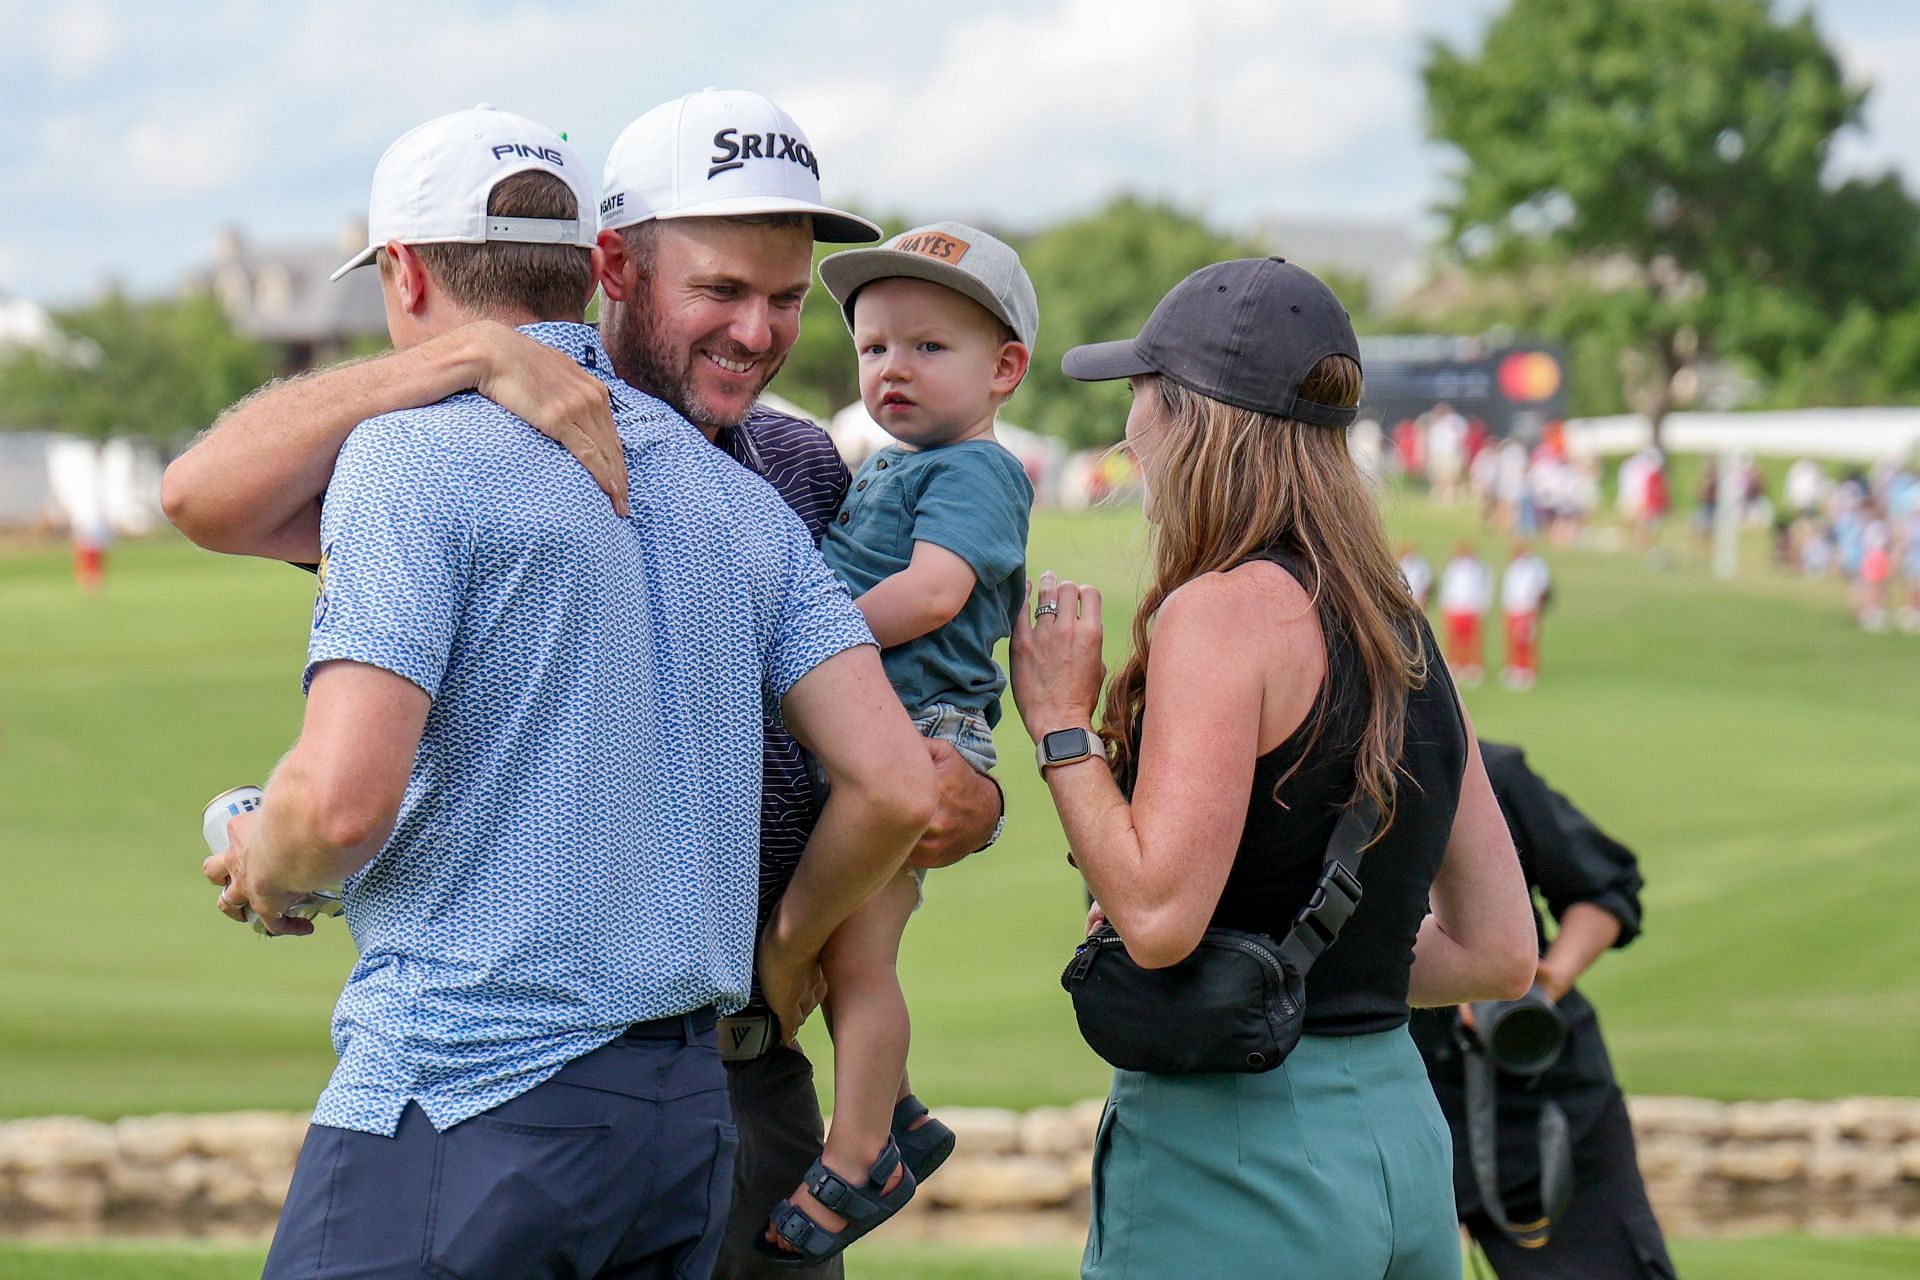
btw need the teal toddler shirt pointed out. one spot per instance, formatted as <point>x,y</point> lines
<point>973,499</point>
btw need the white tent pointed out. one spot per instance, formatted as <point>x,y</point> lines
<point>22,324</point>
<point>1856,435</point>
<point>105,487</point>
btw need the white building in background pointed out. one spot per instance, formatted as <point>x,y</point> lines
<point>26,484</point>
<point>50,481</point>
<point>279,294</point>
<point>53,481</point>
<point>1390,256</point>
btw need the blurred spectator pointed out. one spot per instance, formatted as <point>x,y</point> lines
<point>1483,478</point>
<point>1863,528</point>
<point>1524,589</point>
<point>1446,451</point>
<point>1806,487</point>
<point>1466,592</point>
<point>1706,503</point>
<point>1644,496</point>
<point>1477,435</point>
<point>1876,567</point>
<point>91,537</point>
<point>1560,494</point>
<point>1510,489</point>
<point>1409,447</point>
<point>1910,568</point>
<point>1418,573</point>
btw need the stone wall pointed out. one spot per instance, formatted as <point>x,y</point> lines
<point>1851,1166</point>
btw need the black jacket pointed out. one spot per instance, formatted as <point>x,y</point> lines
<point>1567,859</point>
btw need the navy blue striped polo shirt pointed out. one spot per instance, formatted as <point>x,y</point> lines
<point>800,462</point>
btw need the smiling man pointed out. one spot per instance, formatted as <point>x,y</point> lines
<point>710,209</point>
<point>530,751</point>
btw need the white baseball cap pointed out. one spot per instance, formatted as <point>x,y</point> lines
<point>719,153</point>
<point>431,186</point>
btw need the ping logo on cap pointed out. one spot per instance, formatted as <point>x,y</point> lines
<point>732,149</point>
<point>548,154</point>
<point>933,244</point>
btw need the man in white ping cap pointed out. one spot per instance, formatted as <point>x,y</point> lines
<point>531,750</point>
<point>712,203</point>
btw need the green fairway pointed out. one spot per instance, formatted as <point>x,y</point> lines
<point>1777,1258</point>
<point>1756,749</point>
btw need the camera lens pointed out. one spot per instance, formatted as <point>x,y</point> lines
<point>1522,1036</point>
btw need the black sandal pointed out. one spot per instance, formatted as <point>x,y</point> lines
<point>926,1148</point>
<point>864,1207</point>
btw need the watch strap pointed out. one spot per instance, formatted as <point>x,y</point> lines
<point>1089,745</point>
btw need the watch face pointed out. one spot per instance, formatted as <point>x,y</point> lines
<point>1063,744</point>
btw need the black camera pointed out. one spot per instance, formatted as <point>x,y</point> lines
<point>1523,1037</point>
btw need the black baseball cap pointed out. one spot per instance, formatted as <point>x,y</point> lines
<point>1245,332</point>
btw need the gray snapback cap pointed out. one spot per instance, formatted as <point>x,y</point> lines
<point>1245,332</point>
<point>962,258</point>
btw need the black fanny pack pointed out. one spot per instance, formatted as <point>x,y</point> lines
<point>1239,1001</point>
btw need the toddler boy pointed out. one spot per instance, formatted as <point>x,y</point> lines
<point>932,542</point>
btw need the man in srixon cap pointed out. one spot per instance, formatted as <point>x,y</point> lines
<point>531,750</point>
<point>711,206</point>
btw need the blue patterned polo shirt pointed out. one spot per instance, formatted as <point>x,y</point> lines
<point>577,847</point>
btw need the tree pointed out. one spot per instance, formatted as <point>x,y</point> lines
<point>160,370</point>
<point>1098,278</point>
<point>1674,150</point>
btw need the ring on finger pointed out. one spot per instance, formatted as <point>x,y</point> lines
<point>1045,609</point>
<point>226,903</point>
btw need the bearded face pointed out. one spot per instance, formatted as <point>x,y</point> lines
<point>713,310</point>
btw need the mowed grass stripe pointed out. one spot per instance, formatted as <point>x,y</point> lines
<point>1756,749</point>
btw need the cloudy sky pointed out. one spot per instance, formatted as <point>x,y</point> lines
<point>135,132</point>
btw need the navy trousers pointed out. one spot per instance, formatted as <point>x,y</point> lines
<point>621,1165</point>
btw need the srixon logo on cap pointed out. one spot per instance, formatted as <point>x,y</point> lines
<point>732,149</point>
<point>933,244</point>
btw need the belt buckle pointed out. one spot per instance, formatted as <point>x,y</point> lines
<point>745,1037</point>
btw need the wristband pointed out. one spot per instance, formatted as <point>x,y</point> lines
<point>1000,823</point>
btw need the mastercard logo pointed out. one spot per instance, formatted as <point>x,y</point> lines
<point>1529,376</point>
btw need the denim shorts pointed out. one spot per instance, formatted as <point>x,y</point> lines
<point>970,736</point>
<point>966,730</point>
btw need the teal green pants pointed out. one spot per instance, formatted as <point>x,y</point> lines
<point>1336,1165</point>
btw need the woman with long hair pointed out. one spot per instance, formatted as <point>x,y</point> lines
<point>1280,674</point>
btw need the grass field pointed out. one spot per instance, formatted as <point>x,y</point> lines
<point>1759,752</point>
<point>1781,1258</point>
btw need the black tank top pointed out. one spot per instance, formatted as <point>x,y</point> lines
<point>1360,984</point>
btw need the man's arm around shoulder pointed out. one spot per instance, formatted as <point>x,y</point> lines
<point>251,484</point>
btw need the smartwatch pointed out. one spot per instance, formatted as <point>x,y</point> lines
<point>1065,746</point>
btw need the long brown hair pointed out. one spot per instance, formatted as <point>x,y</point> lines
<point>1230,483</point>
